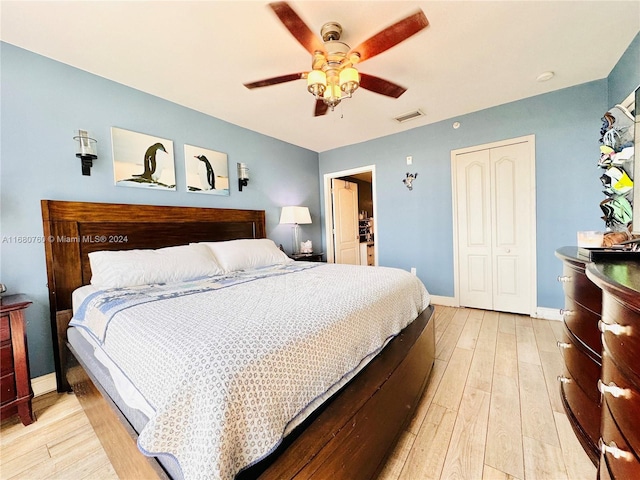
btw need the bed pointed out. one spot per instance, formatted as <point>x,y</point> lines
<point>349,435</point>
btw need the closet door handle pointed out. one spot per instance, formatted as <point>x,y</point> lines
<point>564,279</point>
<point>613,390</point>
<point>614,328</point>
<point>614,451</point>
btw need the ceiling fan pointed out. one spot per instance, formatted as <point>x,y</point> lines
<point>333,76</point>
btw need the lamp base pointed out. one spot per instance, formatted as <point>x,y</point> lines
<point>296,239</point>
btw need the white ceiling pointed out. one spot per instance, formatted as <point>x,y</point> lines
<point>473,55</point>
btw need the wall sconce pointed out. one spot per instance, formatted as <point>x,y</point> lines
<point>408,180</point>
<point>86,150</point>
<point>243,175</point>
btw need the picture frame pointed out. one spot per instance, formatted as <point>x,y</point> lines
<point>206,171</point>
<point>142,161</point>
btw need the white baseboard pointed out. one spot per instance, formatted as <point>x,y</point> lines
<point>44,384</point>
<point>444,301</point>
<point>548,313</point>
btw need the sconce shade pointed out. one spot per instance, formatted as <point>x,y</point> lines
<point>298,215</point>
<point>243,176</point>
<point>86,150</point>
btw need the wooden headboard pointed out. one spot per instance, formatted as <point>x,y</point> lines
<point>72,230</point>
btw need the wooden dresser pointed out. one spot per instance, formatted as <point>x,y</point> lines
<point>581,350</point>
<point>15,385</point>
<point>620,383</point>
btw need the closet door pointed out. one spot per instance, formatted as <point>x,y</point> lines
<point>494,195</point>
<point>474,229</point>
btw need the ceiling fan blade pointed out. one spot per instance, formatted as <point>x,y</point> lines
<point>321,108</point>
<point>275,80</point>
<point>391,36</point>
<point>297,27</point>
<point>381,86</point>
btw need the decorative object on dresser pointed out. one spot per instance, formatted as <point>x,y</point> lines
<point>15,383</point>
<point>581,350</point>
<point>296,216</point>
<point>619,385</point>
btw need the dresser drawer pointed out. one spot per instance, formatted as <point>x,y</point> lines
<point>577,286</point>
<point>584,371</point>
<point>626,466</point>
<point>583,323</point>
<point>5,333</point>
<point>623,402</point>
<point>585,412</point>
<point>6,360</point>
<point>621,337</point>
<point>7,388</point>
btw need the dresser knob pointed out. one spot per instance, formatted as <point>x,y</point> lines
<point>566,313</point>
<point>563,344</point>
<point>613,390</point>
<point>614,451</point>
<point>564,279</point>
<point>614,328</point>
<point>563,379</point>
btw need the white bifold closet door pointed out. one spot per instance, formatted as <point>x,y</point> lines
<point>494,195</point>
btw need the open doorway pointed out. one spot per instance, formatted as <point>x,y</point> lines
<point>358,211</point>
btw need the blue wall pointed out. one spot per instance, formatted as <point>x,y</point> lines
<point>45,102</point>
<point>415,228</point>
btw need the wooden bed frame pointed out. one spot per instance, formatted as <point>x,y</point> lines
<point>349,437</point>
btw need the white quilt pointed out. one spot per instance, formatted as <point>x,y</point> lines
<point>231,365</point>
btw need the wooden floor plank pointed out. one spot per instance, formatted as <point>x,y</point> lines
<point>430,447</point>
<point>449,392</point>
<point>545,338</point>
<point>552,366</point>
<point>504,431</point>
<point>527,347</point>
<point>543,461</point>
<point>435,377</point>
<point>578,465</point>
<point>537,417</point>
<point>465,456</point>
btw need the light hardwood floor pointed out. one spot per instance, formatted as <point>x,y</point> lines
<point>491,411</point>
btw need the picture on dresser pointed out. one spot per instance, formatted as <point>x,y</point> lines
<point>142,161</point>
<point>207,171</point>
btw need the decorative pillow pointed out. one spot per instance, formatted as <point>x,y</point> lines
<point>247,254</point>
<point>127,268</point>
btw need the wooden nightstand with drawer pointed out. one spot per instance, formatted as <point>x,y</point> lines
<point>15,386</point>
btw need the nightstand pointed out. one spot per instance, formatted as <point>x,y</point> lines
<point>15,386</point>
<point>308,257</point>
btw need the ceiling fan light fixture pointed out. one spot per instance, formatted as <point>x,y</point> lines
<point>316,82</point>
<point>349,80</point>
<point>332,95</point>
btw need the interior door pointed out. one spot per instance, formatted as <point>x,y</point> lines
<point>474,229</point>
<point>494,188</point>
<point>345,221</point>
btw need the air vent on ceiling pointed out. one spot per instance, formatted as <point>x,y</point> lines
<point>405,117</point>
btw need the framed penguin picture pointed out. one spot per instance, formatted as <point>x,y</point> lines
<point>142,161</point>
<point>206,170</point>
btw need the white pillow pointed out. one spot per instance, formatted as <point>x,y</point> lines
<point>127,268</point>
<point>247,254</point>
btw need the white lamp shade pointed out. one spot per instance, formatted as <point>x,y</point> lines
<point>299,215</point>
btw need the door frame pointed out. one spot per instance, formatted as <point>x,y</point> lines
<point>328,208</point>
<point>531,141</point>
